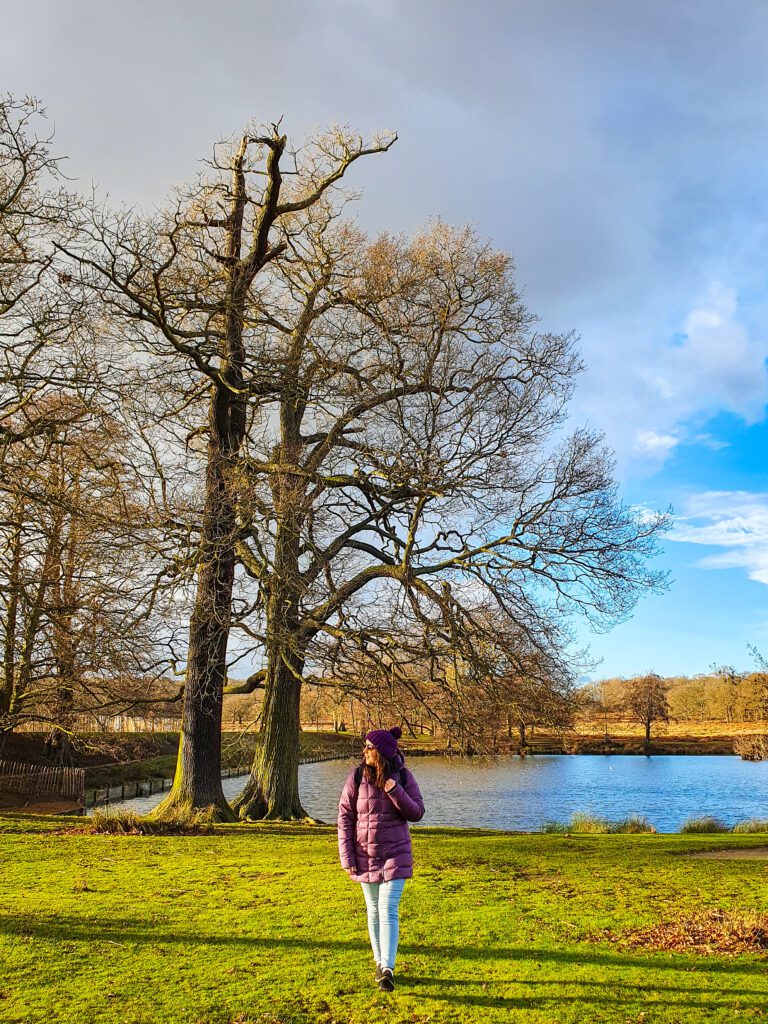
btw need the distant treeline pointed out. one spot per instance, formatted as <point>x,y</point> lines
<point>723,695</point>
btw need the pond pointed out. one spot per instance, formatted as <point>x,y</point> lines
<point>522,794</point>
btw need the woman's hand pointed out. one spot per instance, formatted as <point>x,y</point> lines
<point>389,784</point>
<point>351,871</point>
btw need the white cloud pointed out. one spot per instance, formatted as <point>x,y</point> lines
<point>651,398</point>
<point>708,441</point>
<point>648,442</point>
<point>717,366</point>
<point>737,522</point>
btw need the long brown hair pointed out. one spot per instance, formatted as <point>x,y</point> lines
<point>376,772</point>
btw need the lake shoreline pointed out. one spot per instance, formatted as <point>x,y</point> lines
<point>160,762</point>
<point>592,744</point>
<point>667,745</point>
<point>535,793</point>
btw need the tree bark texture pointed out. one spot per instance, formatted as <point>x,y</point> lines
<point>272,791</point>
<point>197,782</point>
<point>273,788</point>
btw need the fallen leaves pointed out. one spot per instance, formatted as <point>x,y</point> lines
<point>713,931</point>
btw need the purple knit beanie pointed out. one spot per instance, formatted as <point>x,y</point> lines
<point>385,741</point>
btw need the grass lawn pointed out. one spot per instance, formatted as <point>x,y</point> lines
<point>259,924</point>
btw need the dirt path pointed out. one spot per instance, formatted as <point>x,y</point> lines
<point>20,806</point>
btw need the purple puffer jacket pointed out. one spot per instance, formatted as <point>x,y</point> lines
<point>373,830</point>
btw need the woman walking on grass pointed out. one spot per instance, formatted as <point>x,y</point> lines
<point>379,798</point>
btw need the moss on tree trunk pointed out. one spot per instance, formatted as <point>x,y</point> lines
<point>272,791</point>
<point>197,782</point>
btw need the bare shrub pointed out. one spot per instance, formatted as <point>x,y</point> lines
<point>591,823</point>
<point>635,824</point>
<point>751,748</point>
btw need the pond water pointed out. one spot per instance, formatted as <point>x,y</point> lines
<point>524,793</point>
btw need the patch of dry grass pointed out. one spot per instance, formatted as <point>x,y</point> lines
<point>716,931</point>
<point>129,823</point>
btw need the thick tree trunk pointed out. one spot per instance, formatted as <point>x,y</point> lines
<point>59,749</point>
<point>7,685</point>
<point>272,790</point>
<point>197,782</point>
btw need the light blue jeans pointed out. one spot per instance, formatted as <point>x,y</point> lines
<point>383,902</point>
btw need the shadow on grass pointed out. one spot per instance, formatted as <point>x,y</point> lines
<point>722,1002</point>
<point>73,929</point>
<point>417,981</point>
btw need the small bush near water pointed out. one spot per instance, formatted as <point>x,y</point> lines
<point>751,825</point>
<point>590,823</point>
<point>596,825</point>
<point>707,823</point>
<point>751,748</point>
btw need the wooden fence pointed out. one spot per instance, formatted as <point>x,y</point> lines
<point>42,782</point>
<point>157,784</point>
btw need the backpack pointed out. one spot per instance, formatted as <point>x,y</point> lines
<point>401,776</point>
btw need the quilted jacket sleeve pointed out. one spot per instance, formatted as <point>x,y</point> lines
<point>346,824</point>
<point>408,799</point>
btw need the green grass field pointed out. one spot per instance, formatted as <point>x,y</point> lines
<point>259,924</point>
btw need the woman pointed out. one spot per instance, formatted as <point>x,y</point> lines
<point>379,798</point>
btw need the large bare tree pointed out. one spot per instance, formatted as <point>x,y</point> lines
<point>413,465</point>
<point>189,288</point>
<point>48,388</point>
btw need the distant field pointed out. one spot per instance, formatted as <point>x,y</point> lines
<point>678,727</point>
<point>258,925</point>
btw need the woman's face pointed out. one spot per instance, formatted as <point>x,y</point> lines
<point>369,753</point>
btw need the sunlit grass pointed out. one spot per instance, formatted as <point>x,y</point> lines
<point>257,923</point>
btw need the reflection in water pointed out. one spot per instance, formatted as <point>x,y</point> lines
<point>524,793</point>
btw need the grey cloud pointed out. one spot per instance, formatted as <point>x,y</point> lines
<point>616,148</point>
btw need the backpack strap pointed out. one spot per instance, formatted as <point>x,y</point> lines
<point>401,775</point>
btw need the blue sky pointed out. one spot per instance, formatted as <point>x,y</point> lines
<point>716,555</point>
<point>618,149</point>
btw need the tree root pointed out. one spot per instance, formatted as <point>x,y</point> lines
<point>181,811</point>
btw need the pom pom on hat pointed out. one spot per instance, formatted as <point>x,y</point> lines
<point>397,732</point>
